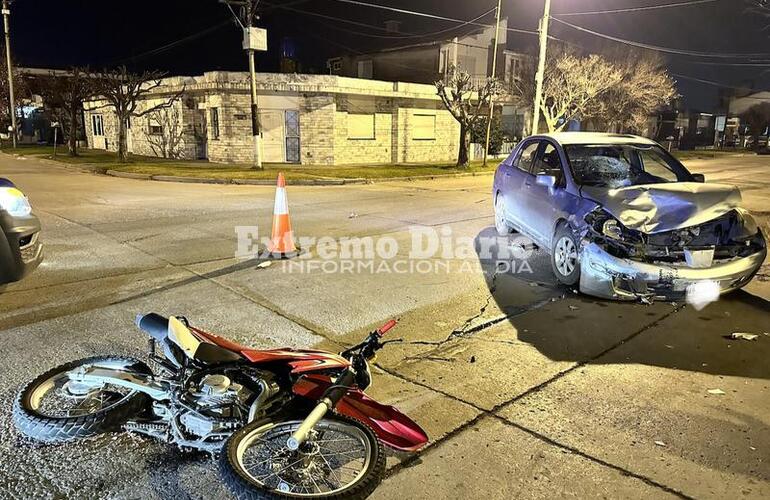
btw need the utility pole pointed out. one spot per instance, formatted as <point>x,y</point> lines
<point>494,72</point>
<point>254,39</point>
<point>12,101</point>
<point>541,66</point>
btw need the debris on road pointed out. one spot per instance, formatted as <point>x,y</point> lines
<point>660,443</point>
<point>573,308</point>
<point>645,300</point>
<point>265,263</point>
<point>716,392</point>
<point>743,336</point>
<point>473,359</point>
<point>352,215</point>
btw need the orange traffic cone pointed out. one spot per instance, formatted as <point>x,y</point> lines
<point>282,237</point>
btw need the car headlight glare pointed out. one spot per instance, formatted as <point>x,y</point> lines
<point>14,202</point>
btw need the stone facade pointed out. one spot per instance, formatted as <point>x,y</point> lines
<point>307,119</point>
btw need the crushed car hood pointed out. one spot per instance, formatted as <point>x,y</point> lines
<point>654,208</point>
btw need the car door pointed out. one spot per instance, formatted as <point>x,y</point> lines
<point>514,176</point>
<point>542,201</point>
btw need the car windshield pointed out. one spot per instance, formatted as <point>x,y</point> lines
<point>621,165</point>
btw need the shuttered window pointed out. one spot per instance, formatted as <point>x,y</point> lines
<point>423,126</point>
<point>360,126</point>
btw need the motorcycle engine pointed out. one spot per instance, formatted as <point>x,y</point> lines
<point>218,397</point>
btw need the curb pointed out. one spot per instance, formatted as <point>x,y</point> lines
<point>98,169</point>
<point>128,175</point>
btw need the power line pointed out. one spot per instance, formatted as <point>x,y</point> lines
<point>638,9</point>
<point>658,48</point>
<point>713,83</point>
<point>425,35</point>
<point>171,45</point>
<point>430,16</point>
<point>365,25</point>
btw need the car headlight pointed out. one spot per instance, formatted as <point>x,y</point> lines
<point>603,223</point>
<point>611,229</point>
<point>14,202</point>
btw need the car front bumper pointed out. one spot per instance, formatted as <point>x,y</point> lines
<point>606,276</point>
<point>20,248</point>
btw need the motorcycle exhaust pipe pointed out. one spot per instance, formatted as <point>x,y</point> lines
<point>300,435</point>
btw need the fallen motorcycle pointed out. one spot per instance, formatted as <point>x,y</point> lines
<point>285,423</point>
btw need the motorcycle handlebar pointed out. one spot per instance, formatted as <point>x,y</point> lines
<point>387,326</point>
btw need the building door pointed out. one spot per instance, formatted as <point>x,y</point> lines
<point>200,134</point>
<point>97,129</point>
<point>271,125</point>
<point>292,135</point>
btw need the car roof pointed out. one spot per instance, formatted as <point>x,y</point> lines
<point>565,138</point>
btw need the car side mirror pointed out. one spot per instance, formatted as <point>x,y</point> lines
<point>698,177</point>
<point>545,180</point>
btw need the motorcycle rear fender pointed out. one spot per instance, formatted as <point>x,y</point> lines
<point>392,427</point>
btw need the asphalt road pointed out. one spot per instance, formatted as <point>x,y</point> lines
<point>527,390</point>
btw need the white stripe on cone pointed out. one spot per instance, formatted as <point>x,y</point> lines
<point>281,202</point>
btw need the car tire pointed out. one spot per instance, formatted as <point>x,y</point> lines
<point>565,260</point>
<point>501,225</point>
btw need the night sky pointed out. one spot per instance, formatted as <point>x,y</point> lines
<point>192,36</point>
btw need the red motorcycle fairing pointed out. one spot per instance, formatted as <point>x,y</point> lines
<point>392,427</point>
<point>300,361</point>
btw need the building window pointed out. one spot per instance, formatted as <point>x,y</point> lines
<point>513,69</point>
<point>97,124</point>
<point>424,126</point>
<point>155,127</point>
<point>215,123</point>
<point>444,60</point>
<point>361,126</point>
<point>334,65</point>
<point>365,69</point>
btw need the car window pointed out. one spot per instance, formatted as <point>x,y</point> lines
<point>526,157</point>
<point>655,165</point>
<point>622,165</point>
<point>549,163</point>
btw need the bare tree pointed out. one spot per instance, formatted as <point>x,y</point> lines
<point>572,85</point>
<point>165,132</point>
<point>123,91</point>
<point>466,100</point>
<point>63,96</point>
<point>644,87</point>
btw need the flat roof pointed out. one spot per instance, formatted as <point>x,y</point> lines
<point>596,138</point>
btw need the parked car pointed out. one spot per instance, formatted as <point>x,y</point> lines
<point>624,219</point>
<point>20,248</point>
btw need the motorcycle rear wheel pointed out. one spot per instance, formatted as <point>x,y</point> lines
<point>256,464</point>
<point>49,410</point>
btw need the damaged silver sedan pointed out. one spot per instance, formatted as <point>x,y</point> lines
<point>624,219</point>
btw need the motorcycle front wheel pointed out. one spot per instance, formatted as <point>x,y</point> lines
<point>54,409</point>
<point>342,458</point>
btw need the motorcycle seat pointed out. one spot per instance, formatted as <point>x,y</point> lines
<point>173,331</point>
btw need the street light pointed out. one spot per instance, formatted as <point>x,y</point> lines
<point>543,30</point>
<point>12,101</point>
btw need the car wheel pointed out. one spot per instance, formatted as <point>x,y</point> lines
<point>503,229</point>
<point>564,256</point>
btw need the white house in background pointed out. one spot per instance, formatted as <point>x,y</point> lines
<point>426,62</point>
<point>307,119</point>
